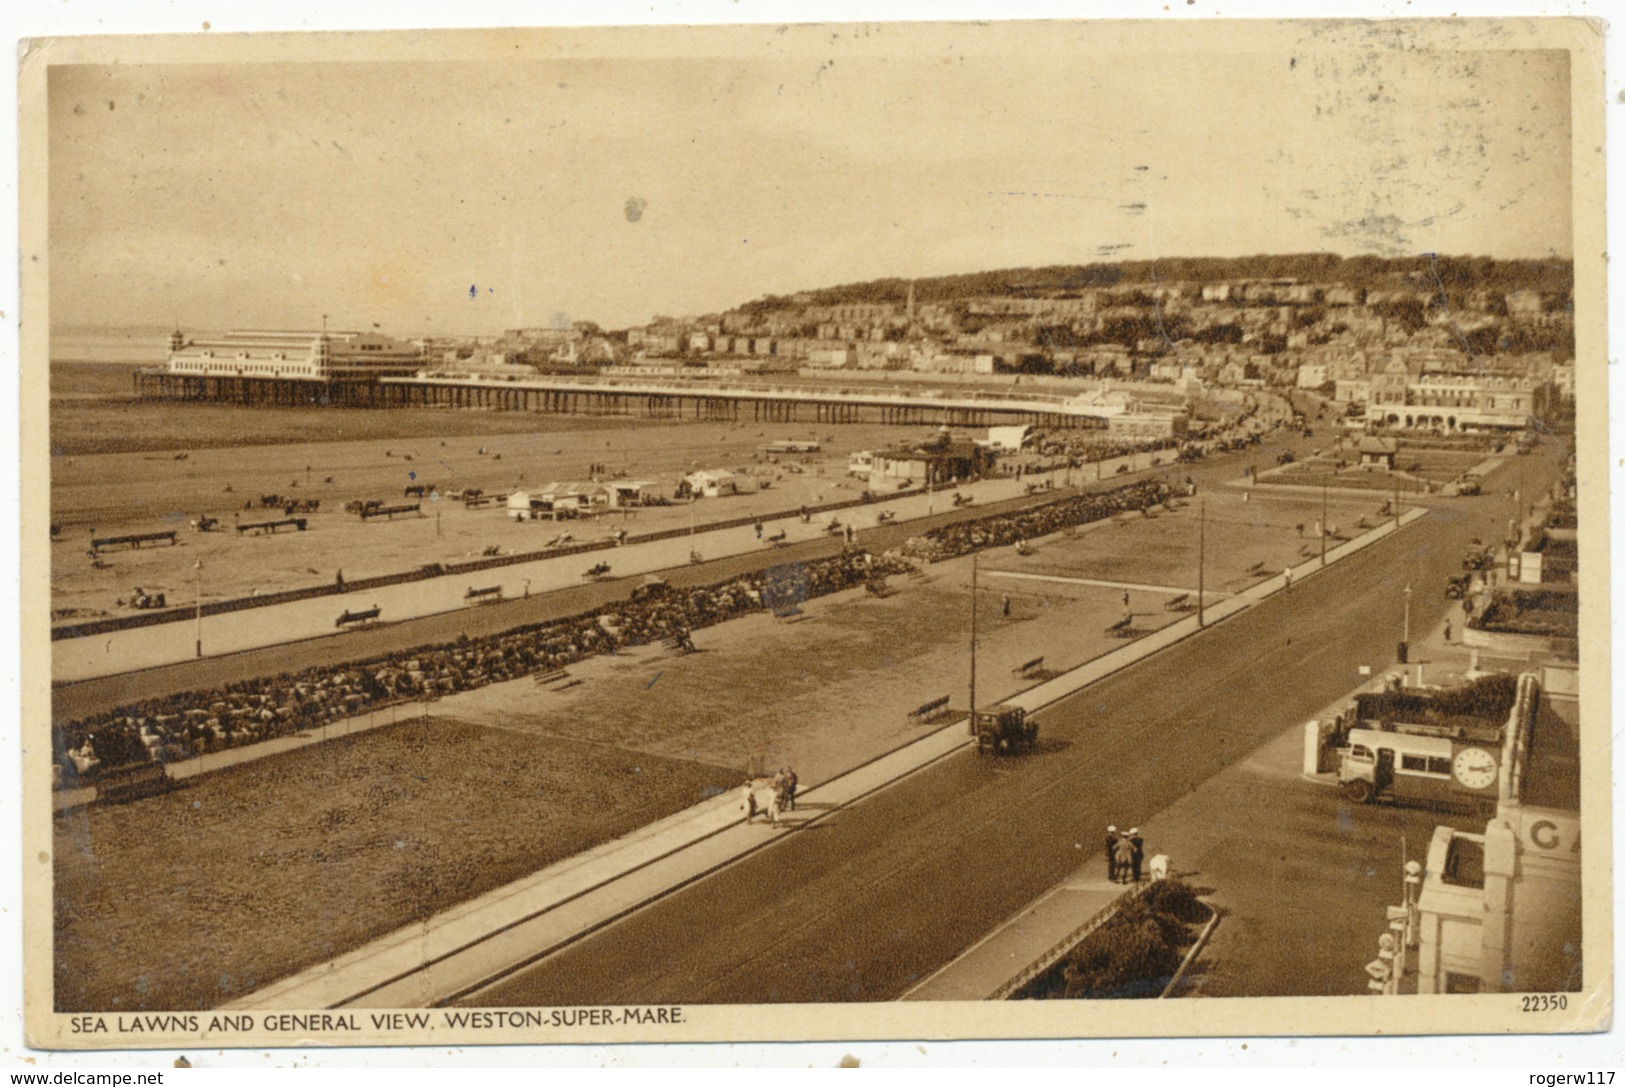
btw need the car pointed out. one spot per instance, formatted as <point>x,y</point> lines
<point>651,587</point>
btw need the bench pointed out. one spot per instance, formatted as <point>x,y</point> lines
<point>1034,665</point>
<point>297,523</point>
<point>1182,602</point>
<point>391,511</point>
<point>1256,568</point>
<point>480,501</point>
<point>490,594</point>
<point>681,643</point>
<point>930,711</point>
<point>134,541</point>
<point>1123,628</point>
<point>353,618</point>
<point>558,675</point>
<point>787,612</point>
<point>132,782</point>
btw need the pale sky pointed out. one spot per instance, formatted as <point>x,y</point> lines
<point>255,195</point>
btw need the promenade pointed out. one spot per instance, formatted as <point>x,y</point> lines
<point>455,955</point>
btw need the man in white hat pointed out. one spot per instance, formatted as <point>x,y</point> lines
<point>1111,853</point>
<point>1124,851</point>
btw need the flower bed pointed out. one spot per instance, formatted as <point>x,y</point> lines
<point>1550,613</point>
<point>1134,955</point>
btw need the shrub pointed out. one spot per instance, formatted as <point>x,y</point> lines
<point>1133,955</point>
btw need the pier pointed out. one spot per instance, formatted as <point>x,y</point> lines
<point>705,401</point>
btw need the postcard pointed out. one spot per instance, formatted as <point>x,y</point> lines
<point>830,531</point>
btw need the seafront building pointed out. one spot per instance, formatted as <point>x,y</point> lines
<point>1499,909</point>
<point>297,355</point>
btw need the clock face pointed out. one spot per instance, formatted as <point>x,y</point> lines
<point>1474,768</point>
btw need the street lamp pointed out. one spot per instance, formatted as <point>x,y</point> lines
<point>199,607</point>
<point>1201,566</point>
<point>1405,642</point>
<point>1323,526</point>
<point>973,563</point>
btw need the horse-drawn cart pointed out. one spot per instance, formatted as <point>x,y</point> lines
<point>769,797</point>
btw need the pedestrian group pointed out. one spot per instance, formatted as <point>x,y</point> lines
<point>1125,854</point>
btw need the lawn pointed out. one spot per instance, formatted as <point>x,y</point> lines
<point>192,899</point>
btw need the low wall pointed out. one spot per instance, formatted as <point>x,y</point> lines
<point>1501,644</point>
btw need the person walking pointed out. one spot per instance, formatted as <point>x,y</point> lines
<point>1137,859</point>
<point>1447,631</point>
<point>1006,608</point>
<point>1124,852</point>
<point>758,530</point>
<point>1111,853</point>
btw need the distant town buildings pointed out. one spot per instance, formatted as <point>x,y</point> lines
<point>1392,350</point>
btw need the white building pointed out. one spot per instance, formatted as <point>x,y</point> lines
<point>302,356</point>
<point>1499,911</point>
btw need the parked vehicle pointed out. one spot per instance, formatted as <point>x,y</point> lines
<point>1419,768</point>
<point>651,587</point>
<point>1003,730</point>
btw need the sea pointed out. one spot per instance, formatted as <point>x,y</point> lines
<point>135,345</point>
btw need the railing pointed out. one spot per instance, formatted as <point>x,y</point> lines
<point>1059,950</point>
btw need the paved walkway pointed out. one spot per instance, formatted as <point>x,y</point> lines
<point>458,952</point>
<point>1029,941</point>
<point>1102,584</point>
<point>483,940</point>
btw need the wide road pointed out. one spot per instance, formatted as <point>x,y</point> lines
<point>861,906</point>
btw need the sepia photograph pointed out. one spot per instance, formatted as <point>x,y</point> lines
<point>941,530</point>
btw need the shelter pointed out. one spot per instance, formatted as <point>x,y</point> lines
<point>625,493</point>
<point>941,459</point>
<point>575,499</point>
<point>718,483</point>
<point>523,506</point>
<point>1008,439</point>
<point>1378,452</point>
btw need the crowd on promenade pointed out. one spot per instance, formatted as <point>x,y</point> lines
<point>193,723</point>
<point>963,537</point>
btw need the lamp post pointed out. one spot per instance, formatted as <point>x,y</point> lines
<point>1405,638</point>
<point>973,565</point>
<point>199,607</point>
<point>1201,566</point>
<point>1323,526</point>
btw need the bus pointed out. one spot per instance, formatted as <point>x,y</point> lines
<point>1428,768</point>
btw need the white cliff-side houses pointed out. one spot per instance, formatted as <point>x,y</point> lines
<point>1394,354</point>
